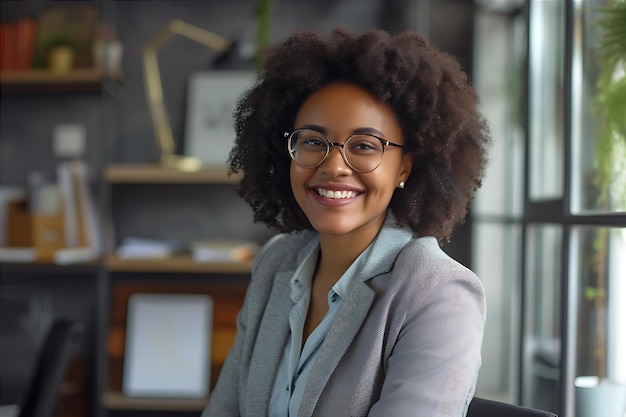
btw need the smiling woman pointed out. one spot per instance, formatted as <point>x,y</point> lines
<point>337,198</point>
<point>365,149</point>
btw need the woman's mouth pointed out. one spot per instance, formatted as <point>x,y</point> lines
<point>335,194</point>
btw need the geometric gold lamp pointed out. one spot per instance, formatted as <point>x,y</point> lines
<point>154,88</point>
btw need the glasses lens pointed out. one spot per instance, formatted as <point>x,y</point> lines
<point>363,152</point>
<point>308,147</point>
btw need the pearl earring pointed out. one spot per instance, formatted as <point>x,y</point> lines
<point>401,184</point>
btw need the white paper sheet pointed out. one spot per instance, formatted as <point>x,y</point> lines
<point>168,346</point>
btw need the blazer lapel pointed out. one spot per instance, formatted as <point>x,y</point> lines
<point>271,339</point>
<point>346,324</point>
<point>353,310</point>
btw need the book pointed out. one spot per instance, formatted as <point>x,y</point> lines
<point>26,29</point>
<point>90,234</point>
<point>17,44</point>
<point>9,45</point>
<point>16,196</point>
<point>2,45</point>
<point>223,250</point>
<point>67,188</point>
<point>81,226</point>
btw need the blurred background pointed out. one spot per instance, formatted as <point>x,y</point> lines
<point>110,188</point>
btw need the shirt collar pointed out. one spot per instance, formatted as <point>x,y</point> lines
<point>301,280</point>
<point>342,286</point>
<point>390,240</point>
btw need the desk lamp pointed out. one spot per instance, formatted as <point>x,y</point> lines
<point>154,88</point>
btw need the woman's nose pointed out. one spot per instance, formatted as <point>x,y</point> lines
<point>335,164</point>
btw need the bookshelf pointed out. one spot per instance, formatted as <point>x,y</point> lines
<point>33,102</point>
<point>111,107</point>
<point>225,282</point>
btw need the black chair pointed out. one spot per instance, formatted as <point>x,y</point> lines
<point>43,392</point>
<point>480,407</point>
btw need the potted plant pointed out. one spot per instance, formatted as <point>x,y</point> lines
<point>598,395</point>
<point>59,52</point>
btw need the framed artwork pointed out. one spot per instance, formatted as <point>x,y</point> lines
<point>168,346</point>
<point>211,99</point>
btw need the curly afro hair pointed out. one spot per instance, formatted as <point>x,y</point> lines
<point>426,88</point>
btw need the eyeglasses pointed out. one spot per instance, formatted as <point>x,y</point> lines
<point>362,152</point>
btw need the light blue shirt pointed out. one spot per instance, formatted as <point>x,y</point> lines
<point>296,366</point>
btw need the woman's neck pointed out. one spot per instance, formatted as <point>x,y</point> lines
<point>338,252</point>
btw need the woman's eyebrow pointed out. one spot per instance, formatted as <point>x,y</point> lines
<point>368,131</point>
<point>357,131</point>
<point>315,127</point>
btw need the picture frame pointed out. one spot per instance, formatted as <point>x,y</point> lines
<point>211,99</point>
<point>168,346</point>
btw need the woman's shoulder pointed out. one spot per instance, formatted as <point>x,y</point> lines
<point>424,258</point>
<point>424,272</point>
<point>427,248</point>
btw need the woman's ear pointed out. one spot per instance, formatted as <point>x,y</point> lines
<point>405,167</point>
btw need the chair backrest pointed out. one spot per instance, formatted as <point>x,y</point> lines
<point>45,384</point>
<point>480,407</point>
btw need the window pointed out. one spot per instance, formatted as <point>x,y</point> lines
<point>549,239</point>
<point>575,243</point>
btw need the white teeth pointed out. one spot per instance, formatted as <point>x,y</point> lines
<point>335,194</point>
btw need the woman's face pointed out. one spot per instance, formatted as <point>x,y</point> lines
<point>359,200</point>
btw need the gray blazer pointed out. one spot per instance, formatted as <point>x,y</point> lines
<point>405,342</point>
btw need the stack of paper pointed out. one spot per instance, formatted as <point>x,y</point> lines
<point>220,250</point>
<point>26,255</point>
<point>134,248</point>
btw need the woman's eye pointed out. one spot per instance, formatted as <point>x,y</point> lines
<point>312,142</point>
<point>362,146</point>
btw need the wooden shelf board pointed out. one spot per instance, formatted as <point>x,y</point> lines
<point>118,401</point>
<point>159,174</point>
<point>86,75</point>
<point>49,81</point>
<point>177,263</point>
<point>48,269</point>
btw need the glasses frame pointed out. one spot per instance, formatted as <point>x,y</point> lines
<point>384,142</point>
